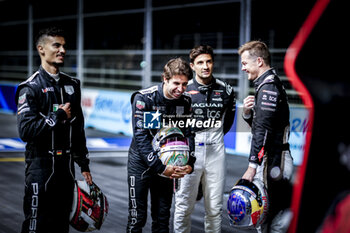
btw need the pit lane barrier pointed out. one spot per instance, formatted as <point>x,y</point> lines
<point>110,111</point>
<point>93,144</point>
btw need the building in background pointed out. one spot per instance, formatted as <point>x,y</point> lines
<point>123,46</point>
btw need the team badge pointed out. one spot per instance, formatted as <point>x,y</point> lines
<point>22,99</point>
<point>69,89</point>
<point>140,104</point>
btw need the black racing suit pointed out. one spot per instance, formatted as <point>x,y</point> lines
<point>269,146</point>
<point>144,166</point>
<point>53,144</point>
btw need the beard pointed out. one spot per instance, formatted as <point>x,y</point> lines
<point>58,64</point>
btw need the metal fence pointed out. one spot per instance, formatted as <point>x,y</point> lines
<point>147,46</point>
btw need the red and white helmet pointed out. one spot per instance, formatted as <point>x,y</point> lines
<point>90,207</point>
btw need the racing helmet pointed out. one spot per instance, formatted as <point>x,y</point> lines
<point>247,204</point>
<point>172,146</point>
<point>90,207</point>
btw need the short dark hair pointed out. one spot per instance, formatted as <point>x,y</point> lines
<point>201,49</point>
<point>177,66</point>
<point>50,31</point>
<point>258,49</point>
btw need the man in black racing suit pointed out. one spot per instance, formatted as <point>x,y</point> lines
<point>167,103</point>
<point>50,120</point>
<point>267,112</point>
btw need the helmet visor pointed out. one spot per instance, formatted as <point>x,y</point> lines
<point>174,141</point>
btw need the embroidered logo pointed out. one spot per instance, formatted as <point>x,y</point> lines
<point>69,89</point>
<point>22,99</point>
<point>47,89</point>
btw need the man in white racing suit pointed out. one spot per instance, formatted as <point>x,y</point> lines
<point>213,105</point>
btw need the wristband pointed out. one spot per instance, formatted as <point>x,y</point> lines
<point>253,165</point>
<point>246,116</point>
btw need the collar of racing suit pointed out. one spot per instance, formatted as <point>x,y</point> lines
<point>160,91</point>
<point>204,88</point>
<point>262,77</point>
<point>47,76</point>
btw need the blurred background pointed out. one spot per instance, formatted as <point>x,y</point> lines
<point>115,48</point>
<point>124,45</point>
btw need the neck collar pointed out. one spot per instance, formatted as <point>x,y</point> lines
<point>262,77</point>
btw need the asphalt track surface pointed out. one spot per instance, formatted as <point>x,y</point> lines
<point>109,172</point>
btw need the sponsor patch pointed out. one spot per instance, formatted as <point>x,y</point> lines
<point>149,90</point>
<point>22,98</point>
<point>261,153</point>
<point>158,108</point>
<point>268,109</point>
<point>139,124</point>
<point>270,92</point>
<point>180,110</point>
<point>55,107</point>
<point>193,92</point>
<point>140,104</point>
<point>47,89</point>
<point>198,111</point>
<point>34,208</point>
<point>273,98</point>
<point>69,89</point>
<point>268,104</point>
<point>207,105</point>
<point>229,89</point>
<point>150,157</point>
<point>50,122</point>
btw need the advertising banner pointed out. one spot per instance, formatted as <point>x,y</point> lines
<point>7,98</point>
<point>243,136</point>
<point>108,111</point>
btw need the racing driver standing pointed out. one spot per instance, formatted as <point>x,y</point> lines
<point>50,120</point>
<point>169,102</point>
<point>213,104</point>
<point>267,112</point>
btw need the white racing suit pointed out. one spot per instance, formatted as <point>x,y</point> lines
<point>279,223</point>
<point>210,171</point>
<point>217,100</point>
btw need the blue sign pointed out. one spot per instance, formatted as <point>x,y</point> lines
<point>152,120</point>
<point>7,98</point>
<point>108,111</point>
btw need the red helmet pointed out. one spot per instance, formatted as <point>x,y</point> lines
<point>90,207</point>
